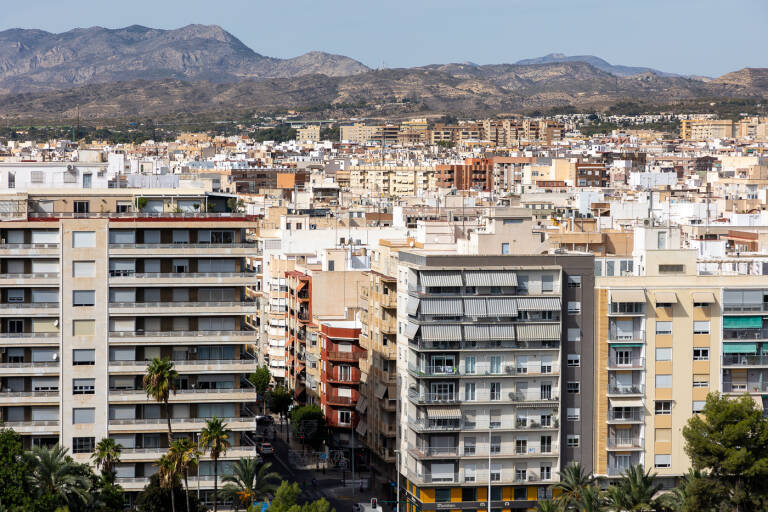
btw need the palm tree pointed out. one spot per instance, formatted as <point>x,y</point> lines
<point>55,474</point>
<point>590,499</point>
<point>634,491</point>
<point>215,437</point>
<point>250,480</point>
<point>678,497</point>
<point>159,382</point>
<point>186,455</point>
<point>573,480</point>
<point>547,506</point>
<point>106,456</point>
<point>168,472</point>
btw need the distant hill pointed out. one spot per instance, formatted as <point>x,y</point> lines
<point>38,60</point>
<point>597,62</point>
<point>747,77</point>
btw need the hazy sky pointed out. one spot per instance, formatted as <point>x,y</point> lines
<point>708,37</point>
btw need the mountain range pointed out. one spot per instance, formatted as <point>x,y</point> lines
<point>140,71</point>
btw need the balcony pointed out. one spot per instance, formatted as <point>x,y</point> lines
<point>745,387</point>
<point>29,250</point>
<point>496,452</point>
<point>12,398</point>
<point>38,339</point>
<point>745,360</point>
<point>345,356</point>
<point>637,336</point>
<point>37,279</point>
<point>494,345</point>
<point>532,397</point>
<point>433,398</point>
<point>745,334</point>
<point>188,366</point>
<point>183,308</point>
<point>389,326</point>
<point>35,368</point>
<point>29,309</point>
<point>341,401</point>
<point>635,415</point>
<point>187,395</point>
<point>195,278</point>
<point>625,444</point>
<point>34,426</point>
<point>633,363</point>
<point>176,337</point>
<point>756,307</point>
<point>152,454</point>
<point>160,425</point>
<point>388,300</point>
<point>635,389</point>
<point>170,250</point>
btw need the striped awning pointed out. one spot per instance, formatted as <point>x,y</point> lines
<point>441,332</point>
<point>475,307</point>
<point>476,332</point>
<point>362,428</point>
<point>443,413</point>
<point>703,297</point>
<point>362,405</point>
<point>502,332</point>
<point>539,304</point>
<point>381,390</point>
<point>532,332</point>
<point>490,278</point>
<point>665,297</point>
<point>411,330</point>
<point>502,306</point>
<point>442,307</point>
<point>413,305</point>
<point>441,278</point>
<point>627,296</point>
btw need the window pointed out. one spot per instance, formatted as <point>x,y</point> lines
<point>82,356</point>
<point>546,420</point>
<point>521,493</point>
<point>442,495</point>
<point>469,446</point>
<point>574,413</point>
<point>495,473</point>
<point>663,380</point>
<point>698,405</point>
<point>662,461</point>
<point>82,206</point>
<point>661,240</point>
<point>663,354</point>
<point>83,269</point>
<point>345,417</point>
<point>598,268</point>
<point>83,327</point>
<point>547,283</point>
<point>521,474</point>
<point>545,472</point>
<point>701,354</point>
<point>521,446</point>
<point>545,443</point>
<point>701,381</point>
<point>663,327</point>
<point>495,444</point>
<point>573,387</point>
<point>83,444</point>
<point>495,493</point>
<point>573,441</point>
<point>87,180</point>
<point>495,389</point>
<point>505,248</point>
<point>574,307</point>
<point>663,407</point>
<point>671,269</point>
<point>81,239</point>
<point>83,297</point>
<point>11,180</point>
<point>701,327</point>
<point>331,265</point>
<point>83,386</point>
<point>469,391</point>
<point>610,268</point>
<point>522,283</point>
<point>574,281</point>
<point>84,415</point>
<point>574,334</point>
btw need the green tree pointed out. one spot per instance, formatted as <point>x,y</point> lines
<point>634,491</point>
<point>251,480</point>
<point>686,497</point>
<point>155,498</point>
<point>547,506</point>
<point>159,382</point>
<point>309,421</point>
<point>186,456</point>
<point>260,380</point>
<point>590,499</point>
<point>728,443</point>
<point>215,438</point>
<point>106,456</point>
<point>55,476</point>
<point>574,480</point>
<point>13,468</point>
<point>280,400</point>
<point>285,501</point>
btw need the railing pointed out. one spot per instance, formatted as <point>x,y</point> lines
<point>202,245</point>
<point>345,356</point>
<point>434,370</point>
<point>625,443</point>
<point>519,396</point>
<point>32,423</point>
<point>25,305</point>
<point>156,421</point>
<point>181,275</point>
<point>617,471</point>
<point>624,308</point>
<point>745,334</point>
<point>137,305</point>
<point>736,308</point>
<point>433,398</point>
<point>483,370</point>
<point>176,334</point>
<point>30,364</point>
<point>634,362</point>
<point>625,417</point>
<point>184,391</point>
<point>340,400</point>
<point>29,246</point>
<point>744,359</point>
<point>186,362</point>
<point>138,215</point>
<point>636,336</point>
<point>496,451</point>
<point>748,387</point>
<point>36,275</point>
<point>29,334</point>
<point>484,345</point>
<point>35,394</point>
<point>635,389</point>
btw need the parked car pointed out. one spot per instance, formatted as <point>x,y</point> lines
<point>266,448</point>
<point>264,420</point>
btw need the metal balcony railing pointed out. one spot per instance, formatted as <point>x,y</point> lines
<point>29,246</point>
<point>178,275</point>
<point>633,415</point>
<point>176,334</point>
<point>29,305</point>
<point>152,305</point>
<point>619,443</point>
<point>737,308</point>
<point>345,356</point>
<point>29,334</point>
<point>745,359</point>
<point>37,275</point>
<point>635,389</point>
<point>37,364</point>
<point>182,246</point>
<point>623,363</point>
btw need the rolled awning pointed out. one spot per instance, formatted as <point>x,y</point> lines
<point>626,402</point>
<point>739,348</point>
<point>742,322</point>
<point>627,296</point>
<point>703,297</point>
<point>665,297</point>
<point>443,413</point>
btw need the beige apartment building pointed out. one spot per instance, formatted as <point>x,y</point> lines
<point>664,340</point>
<point>309,133</point>
<point>88,299</point>
<point>380,181</point>
<point>359,133</point>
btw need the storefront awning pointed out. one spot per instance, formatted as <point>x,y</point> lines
<point>742,322</point>
<point>703,297</point>
<point>665,297</point>
<point>626,402</point>
<point>739,348</point>
<point>627,296</point>
<point>443,413</point>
